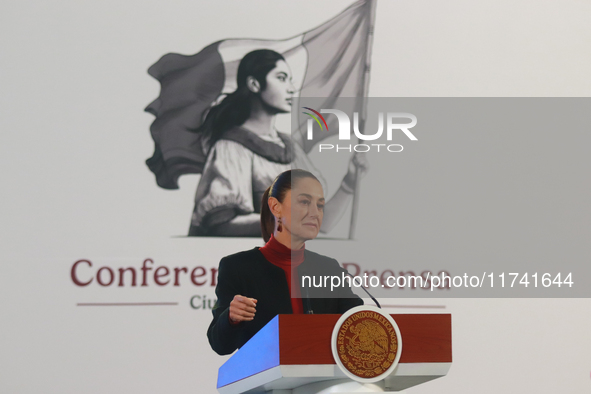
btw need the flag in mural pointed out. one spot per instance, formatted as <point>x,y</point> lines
<point>328,61</point>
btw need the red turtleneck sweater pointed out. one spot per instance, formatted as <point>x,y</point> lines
<point>288,260</point>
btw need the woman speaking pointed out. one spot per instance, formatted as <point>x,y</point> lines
<point>256,285</point>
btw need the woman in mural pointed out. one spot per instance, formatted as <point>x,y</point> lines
<point>256,285</point>
<point>245,152</point>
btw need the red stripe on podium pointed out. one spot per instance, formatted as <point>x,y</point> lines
<point>305,339</point>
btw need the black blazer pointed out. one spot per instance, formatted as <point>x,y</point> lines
<point>249,274</point>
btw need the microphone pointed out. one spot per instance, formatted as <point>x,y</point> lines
<point>308,303</point>
<point>364,289</point>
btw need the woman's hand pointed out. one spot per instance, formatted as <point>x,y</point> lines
<point>358,165</point>
<point>359,161</point>
<point>242,309</point>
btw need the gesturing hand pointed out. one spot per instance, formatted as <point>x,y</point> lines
<point>242,309</point>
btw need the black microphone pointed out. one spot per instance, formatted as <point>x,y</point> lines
<point>308,303</point>
<point>364,289</point>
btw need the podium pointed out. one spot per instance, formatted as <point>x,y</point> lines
<point>292,355</point>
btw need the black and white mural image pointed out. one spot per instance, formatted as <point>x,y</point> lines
<point>217,110</point>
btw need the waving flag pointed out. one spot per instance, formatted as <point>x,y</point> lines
<point>328,61</point>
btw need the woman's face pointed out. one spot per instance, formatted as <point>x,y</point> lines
<point>279,90</point>
<point>302,209</point>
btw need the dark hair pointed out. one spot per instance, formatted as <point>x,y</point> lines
<point>281,185</point>
<point>235,108</point>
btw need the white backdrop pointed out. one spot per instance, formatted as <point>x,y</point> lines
<point>75,186</point>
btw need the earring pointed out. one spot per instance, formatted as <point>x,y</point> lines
<point>279,226</point>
